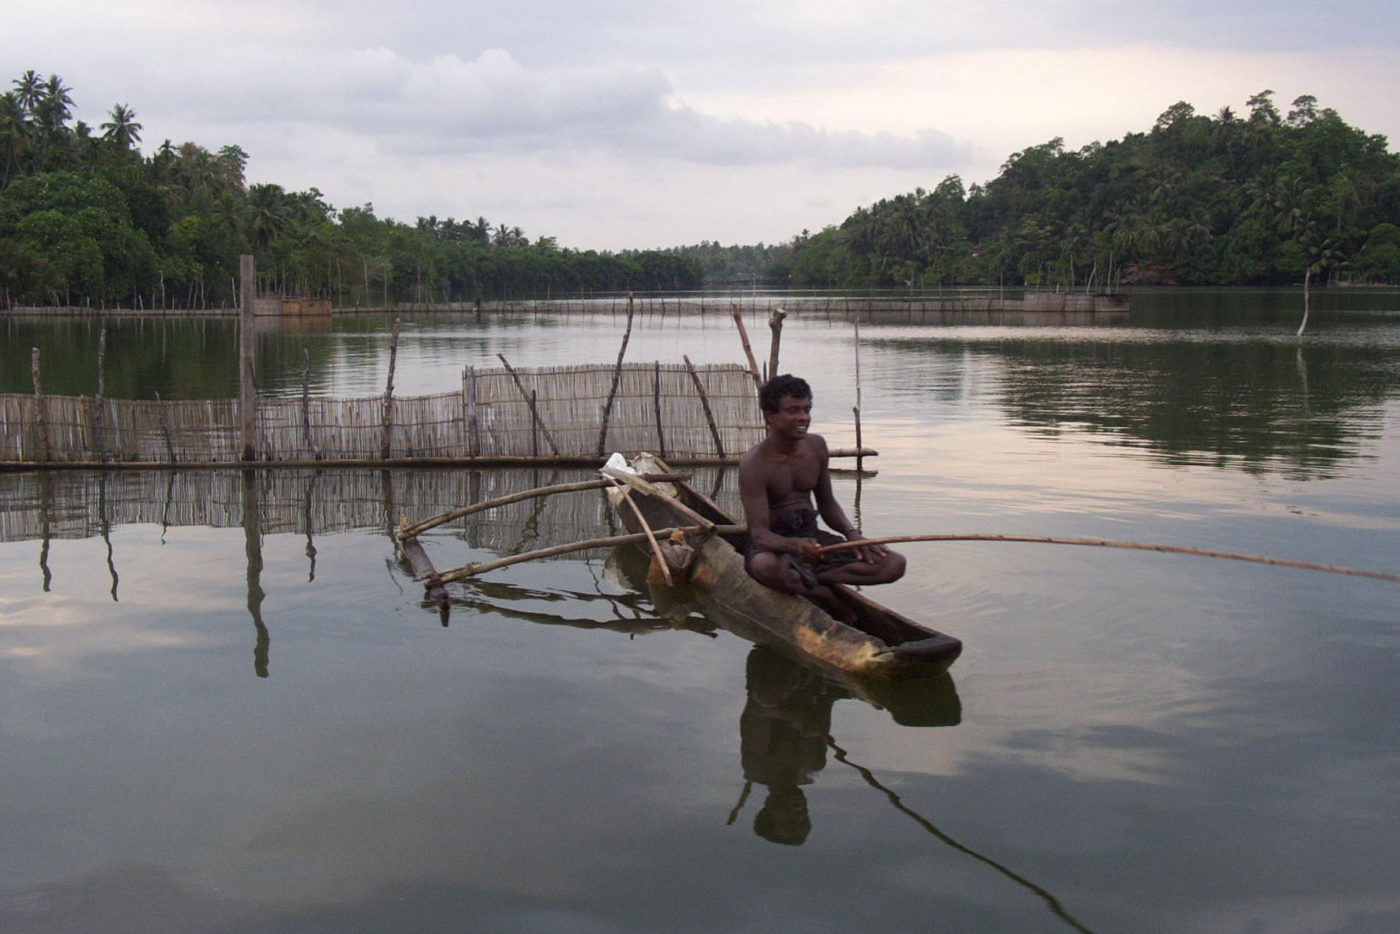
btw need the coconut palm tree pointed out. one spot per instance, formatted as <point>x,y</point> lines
<point>197,177</point>
<point>122,128</point>
<point>54,108</point>
<point>14,132</point>
<point>269,213</point>
<point>30,89</point>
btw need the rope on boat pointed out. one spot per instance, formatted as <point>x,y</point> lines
<point>1104,543</point>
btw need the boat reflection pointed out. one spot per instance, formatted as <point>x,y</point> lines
<point>640,608</point>
<point>785,730</point>
<point>785,727</point>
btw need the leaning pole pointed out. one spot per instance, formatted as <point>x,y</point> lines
<point>247,349</point>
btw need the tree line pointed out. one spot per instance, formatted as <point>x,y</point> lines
<point>1262,199</point>
<point>86,219</point>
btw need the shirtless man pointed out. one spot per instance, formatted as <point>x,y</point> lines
<point>777,480</point>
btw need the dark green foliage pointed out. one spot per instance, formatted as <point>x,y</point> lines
<point>1196,201</point>
<point>86,219</point>
<point>739,265</point>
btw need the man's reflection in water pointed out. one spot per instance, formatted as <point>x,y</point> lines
<point>783,734</point>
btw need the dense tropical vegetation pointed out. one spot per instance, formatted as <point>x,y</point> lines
<point>1264,199</point>
<point>1225,200</point>
<point>85,218</point>
<point>739,264</point>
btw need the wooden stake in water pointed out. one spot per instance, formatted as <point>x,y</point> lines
<point>165,432</point>
<point>617,378</point>
<point>386,445</point>
<point>247,349</point>
<point>42,410</point>
<point>860,460</point>
<point>473,419</point>
<point>306,403</point>
<point>99,435</point>
<point>656,402</point>
<point>744,339</point>
<point>530,400</point>
<point>775,324</point>
<point>705,403</point>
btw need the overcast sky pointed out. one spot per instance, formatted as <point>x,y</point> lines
<point>642,123</point>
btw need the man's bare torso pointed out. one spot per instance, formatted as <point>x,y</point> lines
<point>789,478</point>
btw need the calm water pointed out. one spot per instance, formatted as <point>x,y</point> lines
<point>257,726</point>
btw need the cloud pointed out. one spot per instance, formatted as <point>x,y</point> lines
<point>677,32</point>
<point>492,103</point>
<point>625,123</point>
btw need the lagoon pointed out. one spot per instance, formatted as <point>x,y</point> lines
<point>207,725</point>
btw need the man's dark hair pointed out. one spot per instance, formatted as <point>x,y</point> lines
<point>771,395</point>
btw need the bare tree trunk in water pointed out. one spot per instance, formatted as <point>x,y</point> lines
<point>1307,285</point>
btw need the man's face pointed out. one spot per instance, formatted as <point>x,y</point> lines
<point>793,418</point>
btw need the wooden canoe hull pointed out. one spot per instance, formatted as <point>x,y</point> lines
<point>887,645</point>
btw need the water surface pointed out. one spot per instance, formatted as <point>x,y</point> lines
<point>214,723</point>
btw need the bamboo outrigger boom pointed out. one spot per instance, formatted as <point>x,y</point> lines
<point>1106,543</point>
<point>470,570</point>
<point>423,567</point>
<point>410,531</point>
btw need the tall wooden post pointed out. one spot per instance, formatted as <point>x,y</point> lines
<point>617,378</point>
<point>860,447</point>
<point>775,324</point>
<point>738,315</point>
<point>473,422</point>
<point>99,402</point>
<point>41,408</point>
<point>386,445</point>
<point>247,351</point>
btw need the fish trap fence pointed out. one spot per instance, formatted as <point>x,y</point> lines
<point>577,412</point>
<point>43,505</point>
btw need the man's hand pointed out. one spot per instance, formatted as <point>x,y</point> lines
<point>868,553</point>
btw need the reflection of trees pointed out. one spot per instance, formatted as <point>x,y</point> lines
<point>180,358</point>
<point>1207,401</point>
<point>1240,402</point>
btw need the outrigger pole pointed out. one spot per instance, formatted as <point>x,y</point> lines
<point>1104,543</point>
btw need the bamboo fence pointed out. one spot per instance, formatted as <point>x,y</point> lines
<point>554,413</point>
<point>889,304</point>
<point>42,506</point>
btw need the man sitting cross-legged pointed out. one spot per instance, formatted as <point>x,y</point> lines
<point>778,478</point>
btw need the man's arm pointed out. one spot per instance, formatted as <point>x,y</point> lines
<point>832,513</point>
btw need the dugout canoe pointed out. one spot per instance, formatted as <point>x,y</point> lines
<point>882,644</point>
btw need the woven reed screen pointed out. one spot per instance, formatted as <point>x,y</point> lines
<point>552,411</point>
